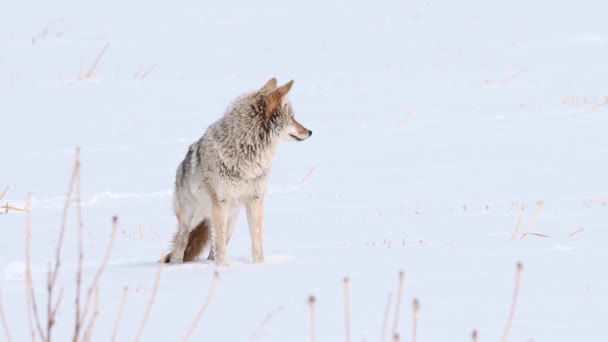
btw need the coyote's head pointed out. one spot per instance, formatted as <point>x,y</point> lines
<point>277,112</point>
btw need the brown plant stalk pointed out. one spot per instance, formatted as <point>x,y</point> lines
<point>541,204</point>
<point>416,309</point>
<point>33,316</point>
<point>121,310</point>
<point>265,321</point>
<point>398,303</point>
<point>514,303</point>
<point>346,309</point>
<point>3,319</point>
<point>151,301</point>
<point>80,252</point>
<point>98,274</point>
<point>313,332</point>
<point>386,313</point>
<point>216,276</point>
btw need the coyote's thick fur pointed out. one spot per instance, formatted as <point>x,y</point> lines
<point>228,168</point>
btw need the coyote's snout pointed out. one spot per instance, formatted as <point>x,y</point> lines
<point>297,132</point>
<point>227,169</point>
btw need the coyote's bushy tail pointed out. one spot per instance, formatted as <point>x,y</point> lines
<point>197,240</point>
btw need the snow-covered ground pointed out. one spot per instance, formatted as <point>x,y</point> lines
<point>434,122</point>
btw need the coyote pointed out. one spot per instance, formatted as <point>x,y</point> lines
<point>228,168</point>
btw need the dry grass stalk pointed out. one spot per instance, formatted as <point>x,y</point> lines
<point>541,204</point>
<point>98,274</point>
<point>416,309</point>
<point>398,303</point>
<point>7,207</point>
<point>30,295</point>
<point>53,271</point>
<point>386,312</point>
<point>313,333</point>
<point>80,252</point>
<point>308,174</point>
<point>123,303</point>
<point>265,321</point>
<point>93,67</point>
<point>141,76</point>
<point>601,104</point>
<point>216,276</point>
<point>7,332</point>
<point>346,310</point>
<point>474,336</point>
<point>88,333</point>
<point>151,301</point>
<point>4,192</point>
<point>514,303</point>
<point>535,234</point>
<point>513,76</point>
<point>580,230</point>
<point>521,216</point>
<point>136,74</point>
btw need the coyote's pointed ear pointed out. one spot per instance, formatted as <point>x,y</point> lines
<point>277,97</point>
<point>271,84</point>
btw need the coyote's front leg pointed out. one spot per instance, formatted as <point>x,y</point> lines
<point>218,213</point>
<point>255,219</point>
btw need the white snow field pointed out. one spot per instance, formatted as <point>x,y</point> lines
<point>433,121</point>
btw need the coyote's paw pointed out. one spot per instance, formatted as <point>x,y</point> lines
<point>176,258</point>
<point>258,259</point>
<point>221,262</point>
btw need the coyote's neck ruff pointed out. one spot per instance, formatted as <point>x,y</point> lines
<point>228,168</point>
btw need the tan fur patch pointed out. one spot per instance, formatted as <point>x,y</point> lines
<point>301,129</point>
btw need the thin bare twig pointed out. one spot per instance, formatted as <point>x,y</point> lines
<point>580,230</point>
<point>535,234</point>
<point>141,74</point>
<point>151,301</point>
<point>521,215</point>
<point>147,72</point>
<point>346,310</point>
<point>123,303</point>
<point>313,333</point>
<point>88,333</point>
<point>216,276</point>
<point>601,104</point>
<point>514,303</point>
<point>57,303</point>
<point>386,312</point>
<point>3,318</point>
<point>541,204</point>
<point>78,322</point>
<point>91,71</point>
<point>7,207</point>
<point>4,192</point>
<point>265,321</point>
<point>398,304</point>
<point>50,320</point>
<point>416,309</point>
<point>31,297</point>
<point>308,174</point>
<point>99,270</point>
